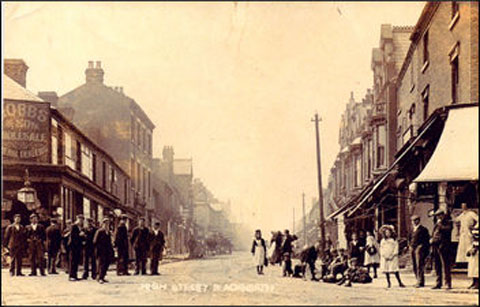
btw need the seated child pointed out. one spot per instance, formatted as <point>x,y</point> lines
<point>355,273</point>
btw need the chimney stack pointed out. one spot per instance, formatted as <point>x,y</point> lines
<point>94,75</point>
<point>17,70</point>
<point>51,97</point>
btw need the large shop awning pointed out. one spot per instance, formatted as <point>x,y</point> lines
<point>456,155</point>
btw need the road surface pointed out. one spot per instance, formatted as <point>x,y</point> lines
<point>222,280</point>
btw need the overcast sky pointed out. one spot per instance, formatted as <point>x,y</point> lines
<point>232,85</point>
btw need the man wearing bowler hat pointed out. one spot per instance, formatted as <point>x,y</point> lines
<point>121,243</point>
<point>441,243</point>
<point>157,242</point>
<point>14,241</point>
<point>88,251</point>
<point>140,242</point>
<point>36,236</point>
<point>75,242</point>
<point>419,244</point>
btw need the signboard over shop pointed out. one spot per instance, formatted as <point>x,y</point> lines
<point>26,131</point>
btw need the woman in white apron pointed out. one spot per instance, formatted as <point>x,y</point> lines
<point>472,255</point>
<point>259,251</point>
<point>467,219</point>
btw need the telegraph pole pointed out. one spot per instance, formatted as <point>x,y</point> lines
<point>305,240</point>
<point>320,190</point>
<point>293,229</point>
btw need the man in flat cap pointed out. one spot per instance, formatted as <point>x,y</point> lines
<point>157,242</point>
<point>88,251</point>
<point>14,241</point>
<point>36,236</point>
<point>140,242</point>
<point>75,244</point>
<point>419,244</point>
<point>54,239</point>
<point>441,243</point>
<point>121,243</point>
<point>104,254</point>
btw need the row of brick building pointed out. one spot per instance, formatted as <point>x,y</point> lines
<point>411,144</point>
<point>90,152</point>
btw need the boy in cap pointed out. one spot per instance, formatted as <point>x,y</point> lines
<point>14,241</point>
<point>35,233</point>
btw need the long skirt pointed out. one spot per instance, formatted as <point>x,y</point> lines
<point>473,266</point>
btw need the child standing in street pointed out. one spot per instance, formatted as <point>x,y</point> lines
<point>259,251</point>
<point>389,254</point>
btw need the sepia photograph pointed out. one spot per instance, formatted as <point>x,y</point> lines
<point>240,153</point>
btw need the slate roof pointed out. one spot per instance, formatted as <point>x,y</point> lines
<point>14,91</point>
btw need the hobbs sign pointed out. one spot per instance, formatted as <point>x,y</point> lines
<point>26,131</point>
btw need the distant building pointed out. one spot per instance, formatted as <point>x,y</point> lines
<point>119,125</point>
<point>173,198</point>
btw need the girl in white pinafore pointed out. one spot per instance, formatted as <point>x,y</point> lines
<point>259,251</point>
<point>389,254</point>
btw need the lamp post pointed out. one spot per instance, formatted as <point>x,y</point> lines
<point>27,194</point>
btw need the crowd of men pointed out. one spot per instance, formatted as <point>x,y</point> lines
<point>82,242</point>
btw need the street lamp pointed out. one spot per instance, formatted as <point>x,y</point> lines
<point>27,194</point>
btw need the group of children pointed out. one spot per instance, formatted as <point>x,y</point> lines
<point>344,266</point>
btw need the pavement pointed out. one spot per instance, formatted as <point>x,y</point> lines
<point>225,280</point>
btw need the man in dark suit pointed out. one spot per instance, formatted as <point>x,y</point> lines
<point>157,242</point>
<point>287,249</point>
<point>102,243</point>
<point>35,234</point>
<point>140,242</point>
<point>54,238</point>
<point>441,243</point>
<point>121,243</point>
<point>75,244</point>
<point>14,241</point>
<point>88,251</point>
<point>419,244</point>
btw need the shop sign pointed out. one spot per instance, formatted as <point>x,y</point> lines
<point>26,131</point>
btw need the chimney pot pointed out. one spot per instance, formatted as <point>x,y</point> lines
<point>120,89</point>
<point>94,75</point>
<point>17,70</point>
